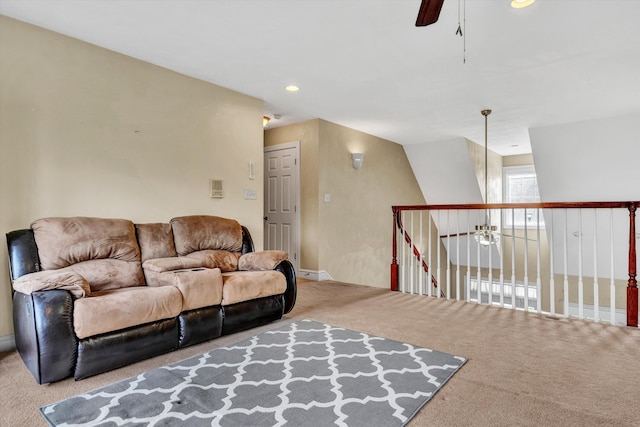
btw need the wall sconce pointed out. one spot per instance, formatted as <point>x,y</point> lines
<point>357,159</point>
<point>265,121</point>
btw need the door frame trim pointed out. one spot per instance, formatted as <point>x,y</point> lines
<point>286,146</point>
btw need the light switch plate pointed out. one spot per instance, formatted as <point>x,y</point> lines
<point>250,194</point>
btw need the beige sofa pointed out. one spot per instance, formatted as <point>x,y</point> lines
<point>93,294</point>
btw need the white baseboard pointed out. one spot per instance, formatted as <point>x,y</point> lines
<point>7,343</point>
<point>604,313</point>
<point>314,275</point>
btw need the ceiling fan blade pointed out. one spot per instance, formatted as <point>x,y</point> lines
<point>429,12</point>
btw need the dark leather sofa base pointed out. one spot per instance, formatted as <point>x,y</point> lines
<point>110,351</point>
<point>249,314</point>
<point>49,316</point>
<point>200,325</point>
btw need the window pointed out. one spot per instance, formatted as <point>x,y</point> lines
<point>521,186</point>
<point>507,293</point>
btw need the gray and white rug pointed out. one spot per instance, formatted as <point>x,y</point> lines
<point>304,373</point>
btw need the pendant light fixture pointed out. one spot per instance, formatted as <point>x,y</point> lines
<point>486,234</point>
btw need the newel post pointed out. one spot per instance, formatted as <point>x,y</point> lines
<point>632,286</point>
<point>394,260</point>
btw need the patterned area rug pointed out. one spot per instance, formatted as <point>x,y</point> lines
<point>305,373</point>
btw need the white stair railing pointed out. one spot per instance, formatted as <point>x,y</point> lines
<point>553,262</point>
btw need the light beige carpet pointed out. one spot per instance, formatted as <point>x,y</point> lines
<point>523,369</point>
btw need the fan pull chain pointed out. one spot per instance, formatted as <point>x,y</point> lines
<point>460,32</point>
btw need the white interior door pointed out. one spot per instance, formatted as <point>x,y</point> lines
<point>281,196</point>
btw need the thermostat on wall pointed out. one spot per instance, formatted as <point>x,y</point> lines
<point>215,188</point>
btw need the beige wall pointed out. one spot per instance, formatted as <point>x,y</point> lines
<point>356,226</point>
<point>494,171</point>
<point>517,160</point>
<point>86,131</point>
<point>350,236</point>
<point>308,134</point>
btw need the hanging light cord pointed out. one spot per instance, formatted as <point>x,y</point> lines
<point>486,113</point>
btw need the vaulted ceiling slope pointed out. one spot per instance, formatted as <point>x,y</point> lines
<point>363,63</point>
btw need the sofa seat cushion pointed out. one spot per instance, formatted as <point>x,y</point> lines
<point>108,311</point>
<point>242,286</point>
<point>200,287</point>
<point>209,258</point>
<point>200,232</point>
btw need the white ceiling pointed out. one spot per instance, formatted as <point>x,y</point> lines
<point>363,63</point>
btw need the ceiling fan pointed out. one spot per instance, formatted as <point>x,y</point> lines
<point>485,234</point>
<point>429,12</point>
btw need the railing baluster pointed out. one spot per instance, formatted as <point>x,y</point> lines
<point>513,259</point>
<point>468,274</point>
<point>596,296</point>
<point>421,261</point>
<point>526,263</point>
<point>552,282</point>
<point>479,273</point>
<point>430,264</point>
<point>566,266</point>
<point>490,275</point>
<point>412,267</point>
<point>538,278</point>
<point>612,283</point>
<point>501,265</point>
<point>580,281</point>
<point>403,266</point>
<point>458,255</point>
<point>448,270</point>
<point>439,290</point>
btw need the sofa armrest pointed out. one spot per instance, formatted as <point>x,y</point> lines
<point>261,261</point>
<point>45,339</point>
<point>160,265</point>
<point>286,268</point>
<point>64,279</point>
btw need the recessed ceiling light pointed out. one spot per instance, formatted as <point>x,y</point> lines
<point>292,88</point>
<point>519,4</point>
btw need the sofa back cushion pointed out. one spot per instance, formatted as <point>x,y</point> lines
<point>203,232</point>
<point>103,251</point>
<point>155,240</point>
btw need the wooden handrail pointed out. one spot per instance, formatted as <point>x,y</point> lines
<point>632,284</point>
<point>545,205</point>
